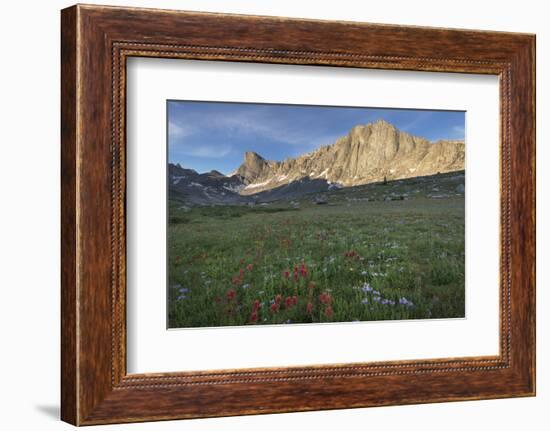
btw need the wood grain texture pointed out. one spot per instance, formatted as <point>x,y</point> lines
<point>96,41</point>
<point>69,397</point>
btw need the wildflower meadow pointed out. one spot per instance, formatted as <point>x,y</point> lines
<point>360,257</point>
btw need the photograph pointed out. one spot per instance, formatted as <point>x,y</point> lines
<point>295,214</point>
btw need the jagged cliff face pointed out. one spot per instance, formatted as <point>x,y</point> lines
<point>368,153</point>
<point>254,167</point>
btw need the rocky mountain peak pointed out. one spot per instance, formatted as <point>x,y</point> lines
<point>253,167</point>
<point>381,124</point>
<point>368,153</point>
<point>215,173</point>
<point>252,158</point>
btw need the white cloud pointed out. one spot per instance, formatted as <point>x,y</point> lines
<point>177,131</point>
<point>256,122</point>
<point>208,151</point>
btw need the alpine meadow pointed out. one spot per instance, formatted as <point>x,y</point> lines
<point>295,214</point>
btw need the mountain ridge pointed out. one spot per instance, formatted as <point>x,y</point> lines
<point>368,153</point>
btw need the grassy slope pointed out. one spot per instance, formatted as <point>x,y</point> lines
<point>412,249</point>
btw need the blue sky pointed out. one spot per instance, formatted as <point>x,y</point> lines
<point>214,135</point>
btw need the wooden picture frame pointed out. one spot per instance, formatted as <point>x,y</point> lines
<point>95,43</point>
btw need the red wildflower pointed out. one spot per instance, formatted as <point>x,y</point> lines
<point>295,300</point>
<point>288,302</point>
<point>250,267</point>
<point>241,272</point>
<point>328,311</point>
<point>254,317</point>
<point>274,307</point>
<point>218,299</point>
<point>351,253</point>
<point>236,280</point>
<point>231,293</point>
<point>278,299</point>
<point>303,270</point>
<point>286,274</point>
<point>241,261</point>
<point>325,298</point>
<point>256,305</point>
<point>295,273</point>
<point>309,307</point>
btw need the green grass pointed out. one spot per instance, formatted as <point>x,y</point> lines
<point>224,259</point>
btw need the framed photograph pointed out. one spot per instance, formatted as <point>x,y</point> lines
<point>323,214</point>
